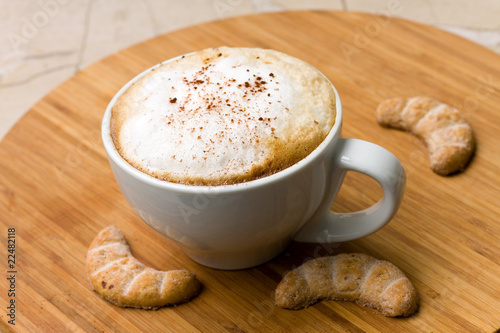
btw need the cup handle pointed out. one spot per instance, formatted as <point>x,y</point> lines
<point>374,161</point>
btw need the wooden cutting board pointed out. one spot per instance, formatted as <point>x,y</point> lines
<point>57,190</point>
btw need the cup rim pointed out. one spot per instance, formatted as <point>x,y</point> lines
<point>115,156</point>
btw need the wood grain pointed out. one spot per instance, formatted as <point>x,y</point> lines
<point>57,189</point>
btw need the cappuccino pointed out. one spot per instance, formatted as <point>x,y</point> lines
<point>223,116</point>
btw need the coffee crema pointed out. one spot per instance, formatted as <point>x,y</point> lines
<point>223,116</point>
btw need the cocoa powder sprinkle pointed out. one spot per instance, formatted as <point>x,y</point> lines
<point>224,103</point>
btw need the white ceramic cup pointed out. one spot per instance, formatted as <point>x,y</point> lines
<point>246,224</point>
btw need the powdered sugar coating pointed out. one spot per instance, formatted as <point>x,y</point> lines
<point>223,116</point>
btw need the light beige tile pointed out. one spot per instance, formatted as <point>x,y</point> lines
<point>312,4</point>
<point>479,14</point>
<point>266,6</point>
<point>172,15</point>
<point>112,26</point>
<point>17,71</point>
<point>17,99</point>
<point>39,48</point>
<point>39,38</point>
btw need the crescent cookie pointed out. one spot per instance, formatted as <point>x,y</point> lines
<point>444,130</point>
<point>352,277</point>
<point>122,280</point>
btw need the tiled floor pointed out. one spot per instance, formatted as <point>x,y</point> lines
<point>43,43</point>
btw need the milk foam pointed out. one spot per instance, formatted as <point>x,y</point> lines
<point>223,116</point>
